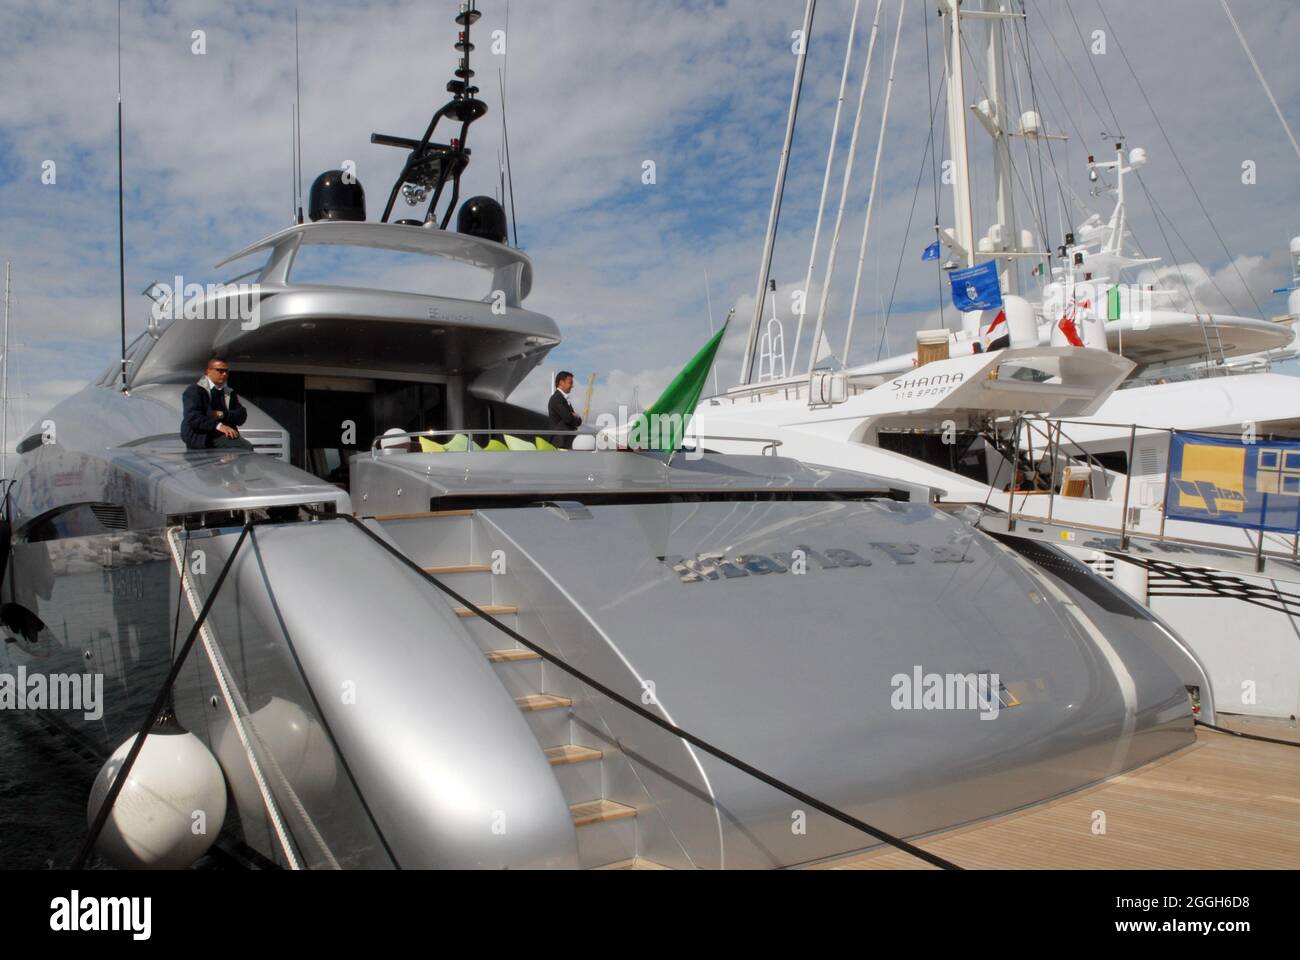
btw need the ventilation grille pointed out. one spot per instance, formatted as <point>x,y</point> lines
<point>272,443</point>
<point>1150,462</point>
<point>110,515</point>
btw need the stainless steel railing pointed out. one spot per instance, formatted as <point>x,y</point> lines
<point>769,445</point>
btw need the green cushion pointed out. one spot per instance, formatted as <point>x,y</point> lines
<point>460,443</point>
<point>495,445</point>
<point>514,443</point>
<point>544,444</point>
<point>431,446</point>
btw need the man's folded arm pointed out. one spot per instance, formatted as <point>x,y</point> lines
<point>195,414</point>
<point>237,413</point>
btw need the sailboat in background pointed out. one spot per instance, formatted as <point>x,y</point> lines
<point>1070,422</point>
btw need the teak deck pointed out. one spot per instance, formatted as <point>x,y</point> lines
<point>1222,803</point>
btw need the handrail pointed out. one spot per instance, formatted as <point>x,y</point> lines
<point>769,443</point>
<point>648,715</point>
<point>1279,538</point>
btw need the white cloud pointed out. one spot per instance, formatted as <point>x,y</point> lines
<point>596,89</point>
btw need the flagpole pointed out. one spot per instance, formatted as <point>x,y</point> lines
<point>4,428</point>
<point>709,299</point>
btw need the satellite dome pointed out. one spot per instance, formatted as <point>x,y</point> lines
<point>482,217</point>
<point>336,196</point>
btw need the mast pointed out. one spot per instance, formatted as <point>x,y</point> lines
<point>963,232</point>
<point>994,118</point>
<point>121,225</point>
<point>765,265</point>
<point>4,371</point>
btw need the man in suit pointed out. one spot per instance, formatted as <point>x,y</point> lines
<point>561,410</point>
<point>211,414</point>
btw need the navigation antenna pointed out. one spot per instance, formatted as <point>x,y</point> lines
<point>430,165</point>
<point>297,119</point>
<point>121,227</point>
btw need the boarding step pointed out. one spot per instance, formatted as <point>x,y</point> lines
<point>536,702</point>
<point>592,812</point>
<point>493,609</point>
<point>606,832</point>
<point>549,716</point>
<point>633,863</point>
<point>487,635</point>
<point>519,669</point>
<point>473,581</point>
<point>578,770</point>
<point>433,539</point>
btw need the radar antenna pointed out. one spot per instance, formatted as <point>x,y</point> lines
<point>430,164</point>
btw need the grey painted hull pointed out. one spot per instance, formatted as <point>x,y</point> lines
<point>366,728</point>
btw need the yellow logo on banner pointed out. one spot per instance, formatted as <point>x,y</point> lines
<point>1213,478</point>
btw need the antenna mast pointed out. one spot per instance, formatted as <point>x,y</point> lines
<point>121,225</point>
<point>297,118</point>
<point>430,165</point>
<point>4,428</point>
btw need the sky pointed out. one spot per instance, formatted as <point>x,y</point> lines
<point>595,91</point>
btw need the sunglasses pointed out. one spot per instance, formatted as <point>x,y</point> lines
<point>219,369</point>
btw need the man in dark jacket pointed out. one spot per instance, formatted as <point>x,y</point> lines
<point>211,414</point>
<point>561,411</point>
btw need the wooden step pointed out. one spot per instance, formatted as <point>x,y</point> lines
<point>571,753</point>
<point>495,609</point>
<point>634,863</point>
<point>458,568</point>
<point>599,811</point>
<point>542,701</point>
<point>512,656</point>
<point>424,515</point>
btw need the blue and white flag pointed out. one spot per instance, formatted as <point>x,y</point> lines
<point>977,287</point>
<point>931,252</point>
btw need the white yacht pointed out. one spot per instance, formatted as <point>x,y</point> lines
<point>1071,402</point>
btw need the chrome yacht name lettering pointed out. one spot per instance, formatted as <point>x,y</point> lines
<point>915,387</point>
<point>718,565</point>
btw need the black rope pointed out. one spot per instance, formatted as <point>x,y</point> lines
<point>155,711</point>
<point>1246,736</point>
<point>645,714</point>
<point>907,237</point>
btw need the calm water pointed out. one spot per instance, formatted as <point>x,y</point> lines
<point>45,777</point>
<point>44,788</point>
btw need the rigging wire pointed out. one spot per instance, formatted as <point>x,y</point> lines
<point>1015,171</point>
<point>826,183</point>
<point>1022,45</point>
<point>844,196</point>
<point>1178,160</point>
<point>929,148</point>
<point>1259,73</point>
<point>875,181</point>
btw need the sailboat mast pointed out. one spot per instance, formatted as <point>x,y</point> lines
<point>765,266</point>
<point>999,128</point>
<point>121,223</point>
<point>963,236</point>
<point>4,398</point>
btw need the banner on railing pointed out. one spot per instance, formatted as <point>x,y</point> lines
<point>1217,480</point>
